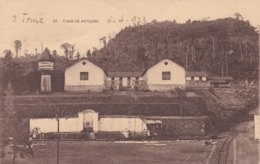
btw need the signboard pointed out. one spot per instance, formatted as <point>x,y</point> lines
<point>45,65</point>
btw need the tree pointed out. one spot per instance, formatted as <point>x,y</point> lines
<point>142,57</point>
<point>103,39</point>
<point>26,53</point>
<point>154,21</point>
<point>54,53</point>
<point>17,46</point>
<point>11,120</point>
<point>71,52</point>
<point>78,55</point>
<point>238,16</point>
<point>188,21</point>
<point>94,52</point>
<point>8,53</point>
<point>88,54</point>
<point>7,68</point>
<point>68,50</point>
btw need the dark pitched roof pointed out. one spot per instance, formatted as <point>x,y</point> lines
<point>196,74</point>
<point>124,74</point>
<point>46,56</point>
<point>220,78</point>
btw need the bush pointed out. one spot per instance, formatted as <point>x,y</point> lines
<point>212,90</point>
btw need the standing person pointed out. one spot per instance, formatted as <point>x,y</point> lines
<point>30,150</point>
<point>148,134</point>
<point>126,134</point>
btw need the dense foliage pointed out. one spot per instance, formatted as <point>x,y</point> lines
<point>221,47</point>
<point>22,72</point>
<point>227,47</point>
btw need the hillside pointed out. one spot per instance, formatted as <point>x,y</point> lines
<point>224,46</point>
<point>42,106</point>
<point>220,47</point>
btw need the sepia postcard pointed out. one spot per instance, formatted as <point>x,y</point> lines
<point>111,82</point>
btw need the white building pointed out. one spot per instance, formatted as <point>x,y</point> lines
<point>197,79</point>
<point>84,76</point>
<point>89,120</point>
<point>256,112</point>
<point>124,80</point>
<point>87,76</point>
<point>165,75</point>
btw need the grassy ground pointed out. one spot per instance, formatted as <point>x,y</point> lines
<point>243,150</point>
<point>109,152</point>
<point>247,149</point>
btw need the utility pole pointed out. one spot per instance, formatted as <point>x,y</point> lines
<point>180,110</point>
<point>42,46</point>
<point>258,27</point>
<point>58,138</point>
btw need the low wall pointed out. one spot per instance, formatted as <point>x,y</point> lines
<point>50,124</point>
<point>84,88</point>
<point>197,84</point>
<point>172,126</point>
<point>165,87</point>
<point>117,124</point>
<point>183,126</point>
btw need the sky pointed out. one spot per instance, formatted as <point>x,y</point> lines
<point>61,21</point>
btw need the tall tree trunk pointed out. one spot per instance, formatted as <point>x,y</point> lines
<point>241,51</point>
<point>222,60</point>
<point>186,60</point>
<point>187,57</point>
<point>222,69</point>
<point>194,54</point>
<point>246,57</point>
<point>213,44</point>
<point>226,65</point>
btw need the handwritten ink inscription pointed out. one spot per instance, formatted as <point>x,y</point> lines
<point>135,20</point>
<point>26,18</point>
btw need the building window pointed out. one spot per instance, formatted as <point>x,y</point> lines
<point>166,75</point>
<point>83,75</point>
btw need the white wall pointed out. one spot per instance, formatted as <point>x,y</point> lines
<point>196,78</point>
<point>154,74</point>
<point>95,74</point>
<point>121,124</point>
<point>50,124</point>
<point>124,81</point>
<point>90,117</point>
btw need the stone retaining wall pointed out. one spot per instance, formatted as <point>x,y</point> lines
<point>184,126</point>
<point>165,87</point>
<point>84,88</point>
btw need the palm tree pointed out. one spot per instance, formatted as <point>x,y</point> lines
<point>248,86</point>
<point>238,16</point>
<point>68,50</point>
<point>17,46</point>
